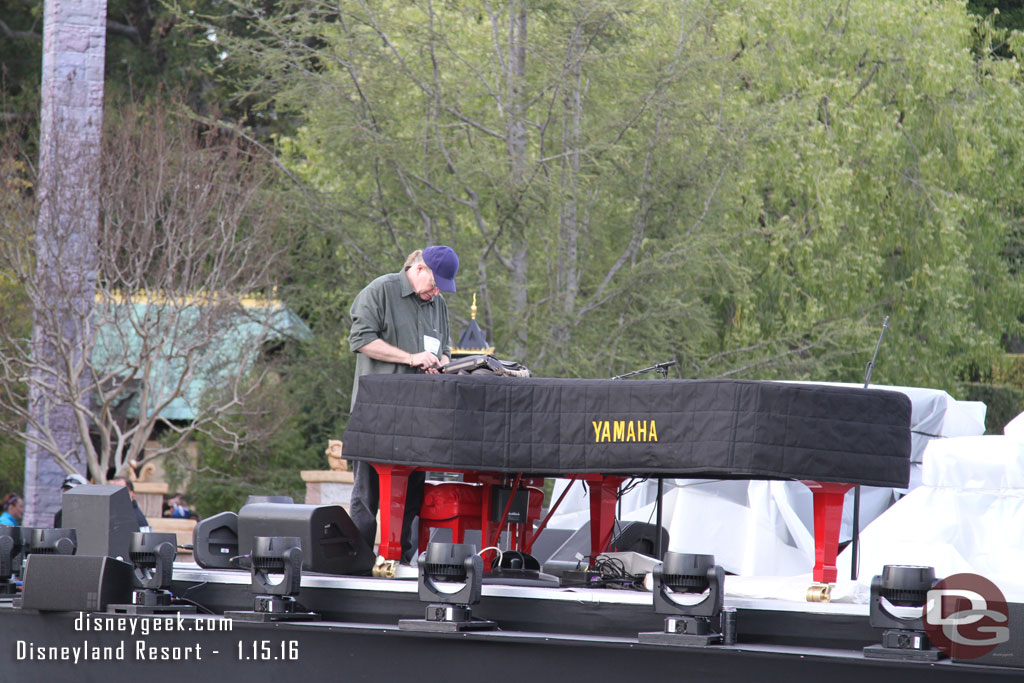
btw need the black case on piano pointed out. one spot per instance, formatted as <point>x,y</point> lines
<point>672,428</point>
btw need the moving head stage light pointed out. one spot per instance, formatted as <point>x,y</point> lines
<point>678,583</point>
<point>275,600</point>
<point>451,575</point>
<point>152,557</point>
<point>50,542</point>
<point>10,548</point>
<point>898,598</point>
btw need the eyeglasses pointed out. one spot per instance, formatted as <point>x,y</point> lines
<point>433,283</point>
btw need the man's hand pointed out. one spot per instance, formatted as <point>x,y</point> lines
<point>424,360</point>
<point>436,370</point>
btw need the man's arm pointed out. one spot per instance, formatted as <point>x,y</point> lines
<point>378,349</point>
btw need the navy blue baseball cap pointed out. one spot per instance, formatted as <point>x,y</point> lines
<point>444,263</point>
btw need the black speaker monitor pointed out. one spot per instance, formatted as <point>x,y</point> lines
<point>331,544</point>
<point>215,541</point>
<point>638,537</point>
<point>103,517</point>
<point>75,583</point>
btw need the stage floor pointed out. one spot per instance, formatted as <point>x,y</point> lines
<point>544,634</point>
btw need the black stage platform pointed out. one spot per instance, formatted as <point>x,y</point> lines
<point>546,634</point>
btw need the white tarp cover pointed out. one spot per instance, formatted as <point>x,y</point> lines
<point>967,515</point>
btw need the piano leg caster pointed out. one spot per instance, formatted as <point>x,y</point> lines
<point>819,592</point>
<point>385,569</point>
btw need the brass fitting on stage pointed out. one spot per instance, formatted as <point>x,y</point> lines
<point>819,592</point>
<point>384,569</point>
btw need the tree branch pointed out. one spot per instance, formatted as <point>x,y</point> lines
<point>124,30</point>
<point>6,31</point>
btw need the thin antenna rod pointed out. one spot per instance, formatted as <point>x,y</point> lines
<point>855,541</point>
<point>871,363</point>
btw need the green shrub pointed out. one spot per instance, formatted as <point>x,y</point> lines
<point>1004,402</point>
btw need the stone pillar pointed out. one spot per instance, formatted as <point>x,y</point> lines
<point>150,497</point>
<point>328,487</point>
<point>64,285</point>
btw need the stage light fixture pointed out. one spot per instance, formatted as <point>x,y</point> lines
<point>898,597</point>
<point>152,558</point>
<point>50,542</point>
<point>275,599</point>
<point>10,548</point>
<point>450,579</point>
<point>690,589</point>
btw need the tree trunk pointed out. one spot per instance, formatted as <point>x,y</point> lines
<point>65,275</point>
<point>516,146</point>
<point>570,224</point>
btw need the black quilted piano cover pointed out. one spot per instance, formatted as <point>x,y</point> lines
<point>714,429</point>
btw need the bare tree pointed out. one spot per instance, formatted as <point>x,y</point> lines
<point>179,303</point>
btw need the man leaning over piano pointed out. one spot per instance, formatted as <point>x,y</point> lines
<point>400,325</point>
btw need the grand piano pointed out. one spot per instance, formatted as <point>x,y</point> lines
<point>603,431</point>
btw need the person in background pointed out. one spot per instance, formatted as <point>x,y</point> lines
<point>400,326</point>
<point>141,518</point>
<point>177,507</point>
<point>71,481</point>
<point>14,508</point>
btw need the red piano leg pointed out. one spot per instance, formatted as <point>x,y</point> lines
<point>603,490</point>
<point>828,519</point>
<point>394,480</point>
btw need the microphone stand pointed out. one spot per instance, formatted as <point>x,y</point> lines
<point>855,541</point>
<point>661,369</point>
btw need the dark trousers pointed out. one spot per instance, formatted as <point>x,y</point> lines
<point>366,502</point>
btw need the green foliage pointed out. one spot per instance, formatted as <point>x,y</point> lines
<point>884,186</point>
<point>285,430</point>
<point>748,190</point>
<point>12,465</point>
<point>1007,13</point>
<point>225,479</point>
<point>151,52</point>
<point>20,60</point>
<point>1004,402</point>
<point>16,321</point>
<point>15,318</point>
<point>411,132</point>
